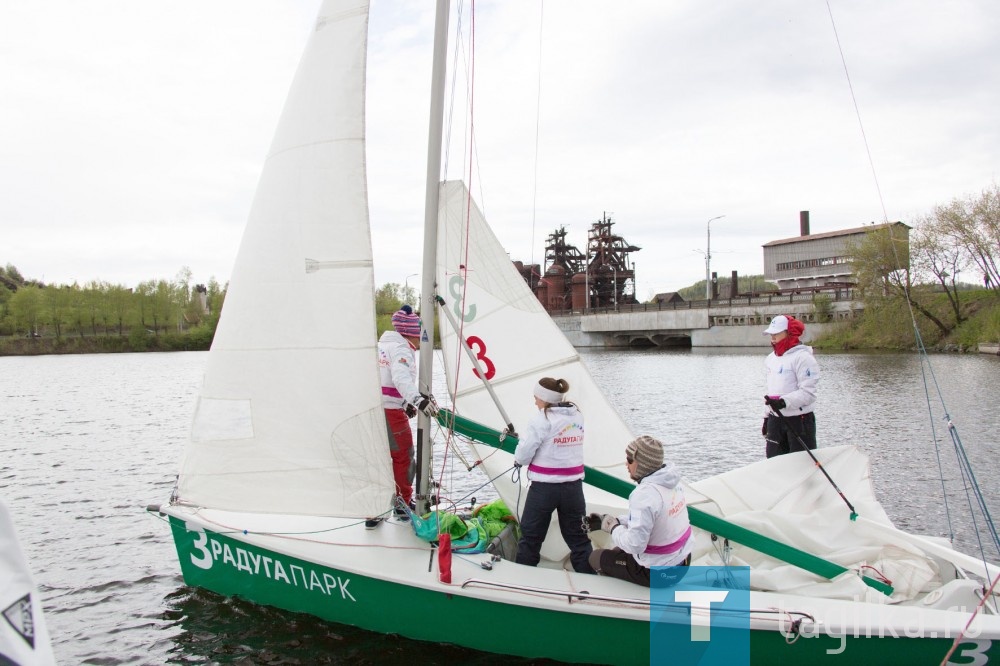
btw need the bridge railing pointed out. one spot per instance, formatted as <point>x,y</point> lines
<point>750,300</point>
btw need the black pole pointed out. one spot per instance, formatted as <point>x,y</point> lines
<point>784,424</point>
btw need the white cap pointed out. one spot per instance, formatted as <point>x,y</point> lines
<point>778,324</point>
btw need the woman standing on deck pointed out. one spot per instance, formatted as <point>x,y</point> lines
<point>792,377</point>
<point>552,450</point>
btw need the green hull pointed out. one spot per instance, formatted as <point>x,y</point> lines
<point>388,607</point>
<point>233,568</point>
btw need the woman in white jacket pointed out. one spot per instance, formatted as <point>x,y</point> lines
<point>552,450</point>
<point>792,379</point>
<point>656,531</point>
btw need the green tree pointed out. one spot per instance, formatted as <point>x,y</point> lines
<point>6,320</point>
<point>166,308</point>
<point>118,302</point>
<point>216,297</point>
<point>77,299</point>
<point>881,263</point>
<point>12,276</point>
<point>183,297</point>
<point>58,307</point>
<point>27,306</point>
<point>937,257</point>
<point>93,306</point>
<point>388,298</point>
<point>973,224</point>
<point>145,301</point>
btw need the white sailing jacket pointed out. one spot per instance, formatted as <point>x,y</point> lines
<point>656,530</point>
<point>793,376</point>
<point>552,445</point>
<point>397,367</point>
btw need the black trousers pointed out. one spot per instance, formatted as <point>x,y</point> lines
<point>783,434</point>
<point>568,501</point>
<point>616,563</point>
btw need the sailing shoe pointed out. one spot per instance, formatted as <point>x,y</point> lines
<point>372,523</point>
<point>401,513</point>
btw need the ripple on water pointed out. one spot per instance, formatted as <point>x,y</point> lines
<point>89,441</point>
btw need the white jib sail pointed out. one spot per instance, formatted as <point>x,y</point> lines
<point>289,419</point>
<point>514,337</point>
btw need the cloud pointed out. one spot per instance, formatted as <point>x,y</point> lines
<point>134,133</point>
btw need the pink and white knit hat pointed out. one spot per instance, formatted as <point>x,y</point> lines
<point>406,323</point>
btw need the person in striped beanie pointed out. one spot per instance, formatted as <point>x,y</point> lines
<point>656,531</point>
<point>400,396</point>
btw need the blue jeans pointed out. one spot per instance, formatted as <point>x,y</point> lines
<point>543,499</point>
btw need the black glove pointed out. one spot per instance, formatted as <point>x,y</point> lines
<point>774,402</point>
<point>592,522</point>
<point>763,428</point>
<point>427,405</point>
<point>411,411</point>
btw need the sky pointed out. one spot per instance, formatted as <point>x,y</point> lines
<point>132,133</point>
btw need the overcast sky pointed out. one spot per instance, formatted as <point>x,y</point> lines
<point>132,133</point>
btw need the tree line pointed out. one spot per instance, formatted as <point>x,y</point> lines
<point>160,310</point>
<point>29,308</point>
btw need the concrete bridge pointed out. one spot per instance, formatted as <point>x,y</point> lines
<point>737,322</point>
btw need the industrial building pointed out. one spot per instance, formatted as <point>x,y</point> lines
<point>822,260</point>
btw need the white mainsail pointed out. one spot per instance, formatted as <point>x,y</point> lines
<point>289,419</point>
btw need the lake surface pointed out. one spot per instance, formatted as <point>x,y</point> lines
<point>86,442</point>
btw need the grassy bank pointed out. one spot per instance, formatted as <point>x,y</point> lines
<point>139,340</point>
<point>886,324</point>
<point>197,339</point>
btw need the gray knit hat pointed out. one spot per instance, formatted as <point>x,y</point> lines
<point>647,452</point>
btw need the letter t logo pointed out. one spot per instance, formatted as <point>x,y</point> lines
<point>701,612</point>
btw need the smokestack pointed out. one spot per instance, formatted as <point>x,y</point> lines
<point>734,285</point>
<point>804,223</point>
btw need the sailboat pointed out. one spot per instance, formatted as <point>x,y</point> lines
<point>288,455</point>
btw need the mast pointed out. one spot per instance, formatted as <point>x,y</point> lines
<point>435,132</point>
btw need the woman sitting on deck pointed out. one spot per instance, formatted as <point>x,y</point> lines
<point>656,531</point>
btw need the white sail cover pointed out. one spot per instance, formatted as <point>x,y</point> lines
<point>289,419</point>
<point>788,498</point>
<point>519,343</point>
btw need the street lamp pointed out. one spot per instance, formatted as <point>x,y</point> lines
<point>708,258</point>
<point>406,284</point>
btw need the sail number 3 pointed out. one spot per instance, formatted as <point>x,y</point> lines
<point>456,285</point>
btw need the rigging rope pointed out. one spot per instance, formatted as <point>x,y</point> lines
<point>970,485</point>
<point>538,116</point>
<point>857,111</point>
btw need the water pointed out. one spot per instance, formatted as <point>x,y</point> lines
<point>87,441</point>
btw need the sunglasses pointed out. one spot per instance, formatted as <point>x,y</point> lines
<point>629,459</point>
